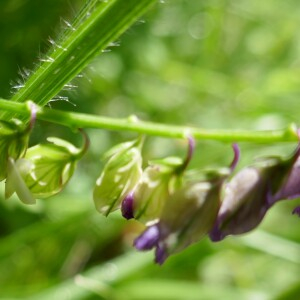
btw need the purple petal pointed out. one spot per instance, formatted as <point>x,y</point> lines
<point>127,207</point>
<point>216,235</point>
<point>148,239</point>
<point>160,254</point>
<point>291,189</point>
<point>296,211</point>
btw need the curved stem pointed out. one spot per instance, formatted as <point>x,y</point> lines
<point>189,155</point>
<point>86,143</point>
<point>80,120</point>
<point>236,156</point>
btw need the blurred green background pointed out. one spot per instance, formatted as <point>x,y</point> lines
<point>212,64</point>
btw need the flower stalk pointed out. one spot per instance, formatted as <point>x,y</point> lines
<point>81,120</point>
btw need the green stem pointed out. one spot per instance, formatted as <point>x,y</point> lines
<point>80,120</point>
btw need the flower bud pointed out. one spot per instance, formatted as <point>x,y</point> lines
<point>290,188</point>
<point>157,182</point>
<point>188,214</point>
<point>119,176</point>
<point>45,169</point>
<point>248,196</point>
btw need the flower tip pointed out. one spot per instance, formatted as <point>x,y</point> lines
<point>216,235</point>
<point>127,207</point>
<point>148,239</point>
<point>160,255</point>
<point>296,211</point>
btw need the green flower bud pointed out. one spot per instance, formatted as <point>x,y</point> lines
<point>190,213</point>
<point>45,170</point>
<point>119,176</point>
<point>158,181</point>
<point>13,143</point>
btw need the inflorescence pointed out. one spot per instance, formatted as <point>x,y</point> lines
<point>177,207</point>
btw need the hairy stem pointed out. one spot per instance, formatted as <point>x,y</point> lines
<point>80,120</point>
<point>97,25</point>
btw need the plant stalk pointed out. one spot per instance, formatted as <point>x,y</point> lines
<point>81,120</point>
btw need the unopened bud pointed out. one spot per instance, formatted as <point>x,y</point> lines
<point>249,195</point>
<point>119,176</point>
<point>160,179</point>
<point>45,169</point>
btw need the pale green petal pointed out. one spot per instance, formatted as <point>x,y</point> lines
<point>15,182</point>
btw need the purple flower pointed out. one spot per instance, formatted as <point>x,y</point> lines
<point>244,205</point>
<point>188,215</point>
<point>252,191</point>
<point>291,187</point>
<point>148,239</point>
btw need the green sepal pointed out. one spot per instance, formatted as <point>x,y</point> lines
<point>189,214</point>
<point>13,143</point>
<point>119,176</point>
<point>53,166</point>
<point>158,181</point>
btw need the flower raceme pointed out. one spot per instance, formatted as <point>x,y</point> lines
<point>177,209</point>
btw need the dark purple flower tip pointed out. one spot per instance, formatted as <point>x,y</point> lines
<point>296,211</point>
<point>127,207</point>
<point>160,254</point>
<point>236,156</point>
<point>216,235</point>
<point>148,239</point>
